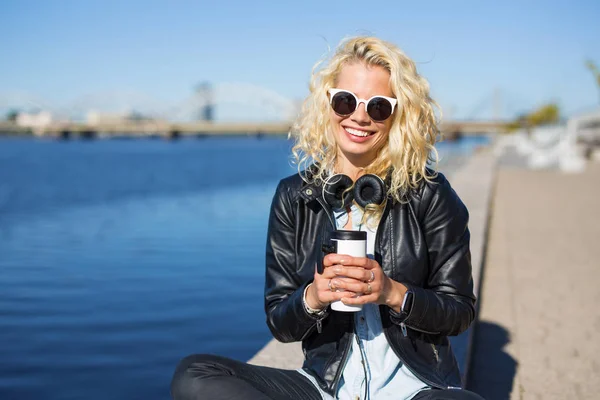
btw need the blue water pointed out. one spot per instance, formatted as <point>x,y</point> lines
<point>119,257</point>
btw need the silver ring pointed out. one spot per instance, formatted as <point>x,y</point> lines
<point>369,290</point>
<point>372,277</point>
<point>330,286</point>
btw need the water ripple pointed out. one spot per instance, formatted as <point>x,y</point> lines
<point>120,258</point>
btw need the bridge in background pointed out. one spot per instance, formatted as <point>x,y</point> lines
<point>140,129</point>
<point>208,110</point>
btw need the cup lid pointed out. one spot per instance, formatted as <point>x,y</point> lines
<point>348,235</point>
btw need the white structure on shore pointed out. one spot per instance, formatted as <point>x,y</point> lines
<point>95,118</point>
<point>35,121</point>
<point>564,147</point>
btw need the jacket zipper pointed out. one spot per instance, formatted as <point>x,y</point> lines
<point>427,381</point>
<point>435,352</point>
<point>318,325</point>
<point>405,334</point>
<point>403,326</point>
<point>308,332</point>
<point>338,374</point>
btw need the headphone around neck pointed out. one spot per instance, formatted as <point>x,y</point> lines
<point>339,191</point>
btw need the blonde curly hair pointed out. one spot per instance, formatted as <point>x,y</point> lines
<point>413,133</point>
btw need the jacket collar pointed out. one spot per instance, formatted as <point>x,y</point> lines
<point>311,190</point>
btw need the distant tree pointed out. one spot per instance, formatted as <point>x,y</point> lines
<point>136,116</point>
<point>594,70</point>
<point>519,122</point>
<point>12,115</point>
<point>544,115</point>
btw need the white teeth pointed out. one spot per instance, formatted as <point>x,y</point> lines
<point>356,132</point>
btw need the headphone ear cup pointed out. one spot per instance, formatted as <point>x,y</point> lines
<point>337,191</point>
<point>369,189</point>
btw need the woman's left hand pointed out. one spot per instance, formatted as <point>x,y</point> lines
<point>365,277</point>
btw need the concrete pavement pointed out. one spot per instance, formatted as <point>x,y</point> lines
<point>539,304</point>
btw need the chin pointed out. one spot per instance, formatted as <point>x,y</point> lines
<point>358,151</point>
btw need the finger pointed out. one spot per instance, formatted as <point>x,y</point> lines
<point>333,259</point>
<point>342,259</point>
<point>324,294</point>
<point>347,279</point>
<point>330,272</point>
<point>370,264</point>
<point>334,275</point>
<point>327,297</point>
<point>339,284</point>
<point>354,285</point>
<point>356,300</point>
<point>333,284</point>
<point>358,273</point>
<point>322,284</point>
<point>364,262</point>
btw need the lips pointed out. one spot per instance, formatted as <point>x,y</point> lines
<point>358,132</point>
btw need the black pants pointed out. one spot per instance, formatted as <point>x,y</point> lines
<point>212,377</point>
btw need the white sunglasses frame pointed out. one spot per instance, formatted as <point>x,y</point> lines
<point>332,92</point>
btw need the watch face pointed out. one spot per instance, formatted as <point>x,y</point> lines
<point>407,306</point>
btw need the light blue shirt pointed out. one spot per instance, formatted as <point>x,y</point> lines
<point>383,376</point>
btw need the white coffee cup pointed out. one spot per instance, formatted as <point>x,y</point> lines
<point>352,243</point>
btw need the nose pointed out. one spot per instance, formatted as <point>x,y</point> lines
<point>360,115</point>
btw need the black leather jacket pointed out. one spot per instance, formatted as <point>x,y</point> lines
<point>423,244</point>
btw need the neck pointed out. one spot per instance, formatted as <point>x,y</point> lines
<point>351,166</point>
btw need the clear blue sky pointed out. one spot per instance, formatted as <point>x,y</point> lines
<point>530,52</point>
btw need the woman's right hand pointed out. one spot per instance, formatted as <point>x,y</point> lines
<point>319,295</point>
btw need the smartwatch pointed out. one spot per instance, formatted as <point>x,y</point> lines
<point>407,303</point>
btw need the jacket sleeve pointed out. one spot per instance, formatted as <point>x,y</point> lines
<point>287,318</point>
<point>446,306</point>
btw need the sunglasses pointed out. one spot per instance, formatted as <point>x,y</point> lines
<point>344,103</point>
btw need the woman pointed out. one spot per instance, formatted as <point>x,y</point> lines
<point>368,114</point>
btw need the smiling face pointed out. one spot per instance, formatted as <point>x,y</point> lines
<point>359,138</point>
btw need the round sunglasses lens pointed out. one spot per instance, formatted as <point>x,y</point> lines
<point>343,103</point>
<point>379,109</point>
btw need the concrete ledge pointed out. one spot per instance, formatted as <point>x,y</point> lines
<point>280,355</point>
<point>474,184</point>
